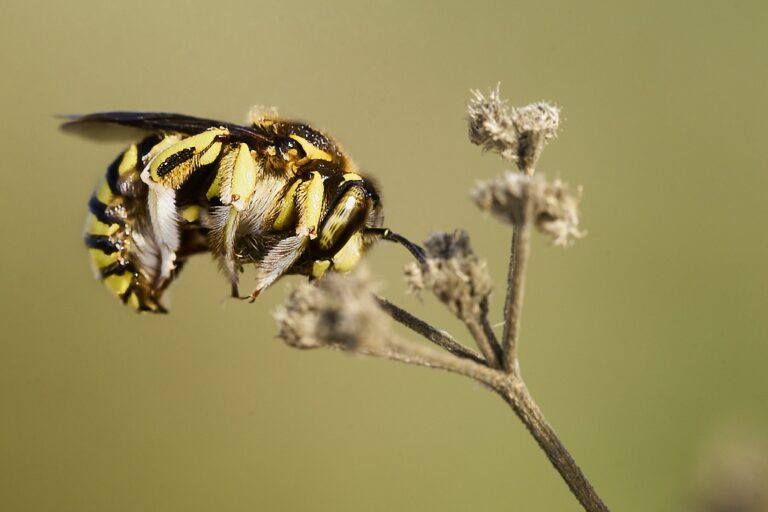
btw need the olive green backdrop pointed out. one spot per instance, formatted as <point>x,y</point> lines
<point>645,343</point>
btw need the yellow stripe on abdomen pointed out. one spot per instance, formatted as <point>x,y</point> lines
<point>108,230</point>
<point>94,226</point>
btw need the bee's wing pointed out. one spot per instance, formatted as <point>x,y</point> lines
<point>92,125</point>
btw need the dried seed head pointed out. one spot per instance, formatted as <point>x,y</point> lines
<point>490,124</point>
<point>553,208</point>
<point>516,134</point>
<point>557,212</point>
<point>449,245</point>
<point>338,310</point>
<point>503,196</point>
<point>454,273</point>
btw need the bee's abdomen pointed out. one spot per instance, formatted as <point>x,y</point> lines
<point>116,243</point>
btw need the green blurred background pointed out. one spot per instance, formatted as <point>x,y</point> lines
<point>645,343</point>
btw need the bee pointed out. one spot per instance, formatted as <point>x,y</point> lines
<point>276,194</point>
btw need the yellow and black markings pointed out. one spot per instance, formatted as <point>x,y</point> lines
<point>279,194</point>
<point>107,233</point>
<point>173,166</point>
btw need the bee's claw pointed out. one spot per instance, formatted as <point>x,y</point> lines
<point>250,298</point>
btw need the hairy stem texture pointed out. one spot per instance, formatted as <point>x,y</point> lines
<point>513,306</point>
<point>517,396</point>
<point>419,326</point>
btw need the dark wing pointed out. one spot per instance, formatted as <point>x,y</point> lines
<point>163,121</point>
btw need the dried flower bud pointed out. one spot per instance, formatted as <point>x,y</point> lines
<point>516,134</point>
<point>490,124</point>
<point>338,310</point>
<point>503,196</point>
<point>557,212</point>
<point>449,245</point>
<point>454,273</point>
<point>553,208</point>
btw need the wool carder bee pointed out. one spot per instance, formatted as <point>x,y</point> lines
<point>276,194</point>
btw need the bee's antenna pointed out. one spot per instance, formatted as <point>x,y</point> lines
<point>387,234</point>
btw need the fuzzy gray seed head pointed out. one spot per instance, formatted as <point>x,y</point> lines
<point>516,134</point>
<point>553,207</point>
<point>454,273</point>
<point>338,311</point>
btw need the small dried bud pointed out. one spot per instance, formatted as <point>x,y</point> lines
<point>338,310</point>
<point>490,124</point>
<point>503,196</point>
<point>516,134</point>
<point>454,273</point>
<point>553,208</point>
<point>537,124</point>
<point>446,246</point>
<point>557,212</point>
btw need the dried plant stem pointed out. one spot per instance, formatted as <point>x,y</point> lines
<point>397,349</point>
<point>493,342</point>
<point>516,394</point>
<point>436,336</point>
<point>486,344</point>
<point>512,390</point>
<point>513,305</point>
<point>345,314</point>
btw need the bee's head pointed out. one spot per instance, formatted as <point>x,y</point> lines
<point>353,206</point>
<point>352,215</point>
<point>299,142</point>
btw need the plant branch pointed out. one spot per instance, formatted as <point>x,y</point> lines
<point>395,348</point>
<point>486,325</point>
<point>516,394</point>
<point>511,388</point>
<point>518,258</point>
<point>436,336</point>
<point>343,313</point>
<point>487,345</point>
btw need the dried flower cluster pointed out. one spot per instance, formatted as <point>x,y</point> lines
<point>342,311</point>
<point>339,310</point>
<point>554,209</point>
<point>454,273</point>
<point>516,134</point>
<point>557,212</point>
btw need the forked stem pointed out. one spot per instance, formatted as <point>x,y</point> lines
<point>433,334</point>
<point>487,345</point>
<point>510,387</point>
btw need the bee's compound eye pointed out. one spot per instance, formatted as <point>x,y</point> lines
<point>345,217</point>
<point>290,149</point>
